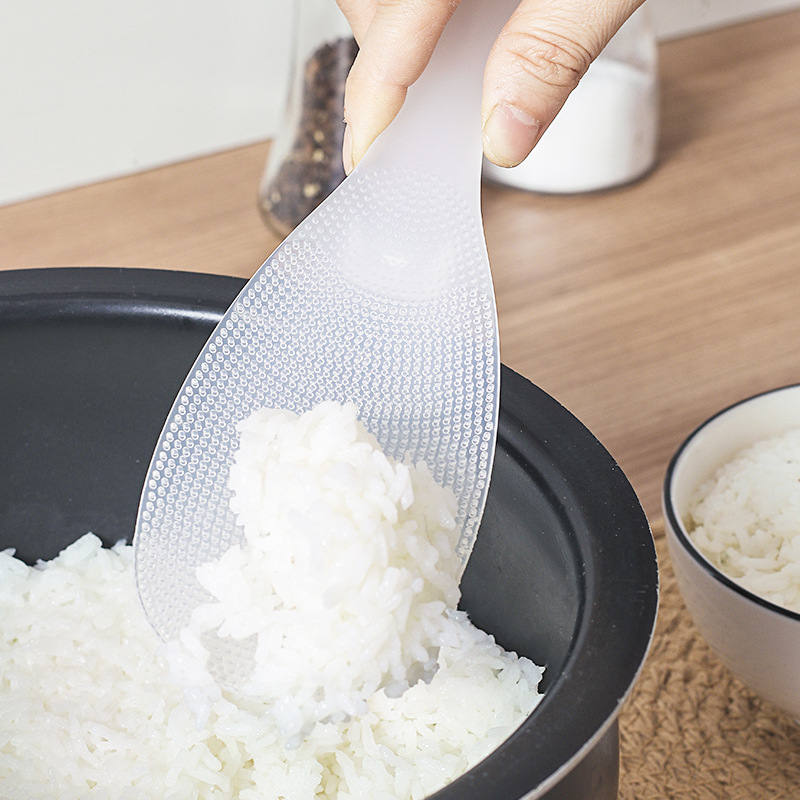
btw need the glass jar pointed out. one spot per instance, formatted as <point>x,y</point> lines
<point>607,132</point>
<point>305,161</point>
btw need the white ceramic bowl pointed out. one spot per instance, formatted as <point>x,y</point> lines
<point>758,640</point>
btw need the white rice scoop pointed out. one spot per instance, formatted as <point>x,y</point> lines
<point>383,296</point>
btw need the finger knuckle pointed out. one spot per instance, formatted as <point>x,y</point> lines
<point>555,60</point>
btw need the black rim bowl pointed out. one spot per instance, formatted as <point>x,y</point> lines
<point>676,524</point>
<point>564,569</point>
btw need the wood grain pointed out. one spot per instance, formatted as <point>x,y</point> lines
<point>197,215</point>
<point>643,310</point>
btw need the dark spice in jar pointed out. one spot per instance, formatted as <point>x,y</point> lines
<point>312,167</point>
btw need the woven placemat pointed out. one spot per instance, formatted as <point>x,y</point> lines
<point>691,729</point>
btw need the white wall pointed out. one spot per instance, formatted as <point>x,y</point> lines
<point>93,89</point>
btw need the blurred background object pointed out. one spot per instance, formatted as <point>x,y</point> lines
<point>305,160</point>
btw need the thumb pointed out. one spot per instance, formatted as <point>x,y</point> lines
<point>538,59</point>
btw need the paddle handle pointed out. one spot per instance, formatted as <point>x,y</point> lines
<point>438,129</point>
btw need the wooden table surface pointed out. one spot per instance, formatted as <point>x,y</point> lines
<point>643,309</point>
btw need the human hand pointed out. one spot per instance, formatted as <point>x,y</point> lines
<point>537,60</point>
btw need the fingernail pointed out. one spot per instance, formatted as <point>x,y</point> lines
<point>347,150</point>
<point>509,134</point>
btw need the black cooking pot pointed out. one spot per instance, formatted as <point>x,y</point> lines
<point>563,571</point>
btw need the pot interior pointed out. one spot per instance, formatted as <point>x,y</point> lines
<point>563,570</point>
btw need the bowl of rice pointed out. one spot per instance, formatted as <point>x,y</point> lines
<point>514,677</point>
<point>732,509</point>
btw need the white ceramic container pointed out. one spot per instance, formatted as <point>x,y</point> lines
<point>757,640</point>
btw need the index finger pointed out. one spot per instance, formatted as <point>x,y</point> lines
<point>396,43</point>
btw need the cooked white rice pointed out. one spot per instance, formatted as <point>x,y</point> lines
<point>348,571</point>
<point>746,519</point>
<point>88,710</point>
